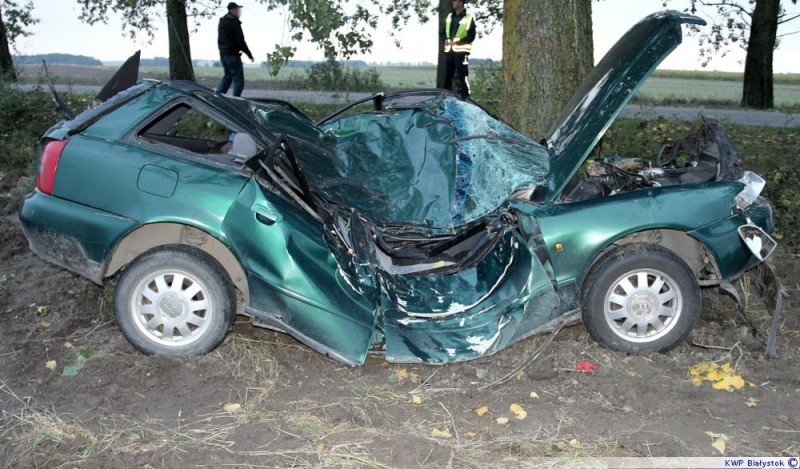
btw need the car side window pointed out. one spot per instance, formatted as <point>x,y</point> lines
<point>193,124</point>
<point>191,129</point>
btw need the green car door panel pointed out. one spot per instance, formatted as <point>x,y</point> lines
<point>294,277</point>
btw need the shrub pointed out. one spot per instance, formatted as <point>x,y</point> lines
<point>25,116</point>
<point>332,76</point>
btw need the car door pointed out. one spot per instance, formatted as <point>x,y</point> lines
<point>296,284</point>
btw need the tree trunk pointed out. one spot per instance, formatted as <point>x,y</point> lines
<point>180,54</point>
<point>547,52</point>
<point>757,91</point>
<point>7,70</point>
<point>445,7</point>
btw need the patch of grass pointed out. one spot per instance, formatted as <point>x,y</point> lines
<point>778,78</point>
<point>40,436</point>
<point>250,362</point>
<point>669,91</point>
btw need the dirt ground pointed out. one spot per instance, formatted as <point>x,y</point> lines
<point>264,400</point>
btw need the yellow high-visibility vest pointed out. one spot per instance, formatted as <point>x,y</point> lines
<point>461,33</point>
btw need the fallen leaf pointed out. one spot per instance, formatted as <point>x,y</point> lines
<point>42,309</point>
<point>721,377</point>
<point>586,367</point>
<point>44,324</point>
<point>501,420</point>
<point>414,378</point>
<point>232,407</point>
<point>534,395</point>
<point>416,400</point>
<point>481,410</point>
<point>78,361</point>
<point>471,435</point>
<point>751,402</point>
<point>575,443</point>
<point>729,381</point>
<point>518,410</point>
<point>520,375</point>
<point>51,365</point>
<point>402,373</point>
<point>320,448</point>
<point>436,433</point>
<point>718,441</point>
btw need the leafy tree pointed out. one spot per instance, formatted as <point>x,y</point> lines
<point>139,17</point>
<point>14,21</point>
<point>342,29</point>
<point>548,51</point>
<point>753,26</point>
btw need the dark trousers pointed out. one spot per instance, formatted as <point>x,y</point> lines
<point>234,74</point>
<point>457,64</point>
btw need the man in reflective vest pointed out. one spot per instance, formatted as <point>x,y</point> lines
<point>459,34</point>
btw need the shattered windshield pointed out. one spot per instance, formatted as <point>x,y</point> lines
<point>439,163</point>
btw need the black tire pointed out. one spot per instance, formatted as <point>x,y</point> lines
<point>159,316</point>
<point>623,315</point>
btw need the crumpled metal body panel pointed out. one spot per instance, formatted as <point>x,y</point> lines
<point>607,89</point>
<point>443,319</point>
<point>295,283</point>
<point>584,229</point>
<point>439,164</point>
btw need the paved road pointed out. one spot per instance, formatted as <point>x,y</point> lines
<point>736,116</point>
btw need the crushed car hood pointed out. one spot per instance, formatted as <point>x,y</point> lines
<point>607,89</point>
<point>438,164</point>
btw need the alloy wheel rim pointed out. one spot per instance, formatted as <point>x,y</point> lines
<point>643,305</point>
<point>172,307</point>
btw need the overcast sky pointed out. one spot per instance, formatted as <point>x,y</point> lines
<point>61,31</point>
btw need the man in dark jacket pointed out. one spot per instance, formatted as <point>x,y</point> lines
<point>231,45</point>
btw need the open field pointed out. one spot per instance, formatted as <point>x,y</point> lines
<point>666,86</point>
<point>264,400</point>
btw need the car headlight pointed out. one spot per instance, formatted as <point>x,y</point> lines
<point>753,185</point>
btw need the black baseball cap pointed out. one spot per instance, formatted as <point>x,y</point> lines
<point>233,5</point>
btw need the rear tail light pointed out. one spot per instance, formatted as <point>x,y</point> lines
<point>48,163</point>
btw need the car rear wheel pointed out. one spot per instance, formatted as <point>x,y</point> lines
<point>175,301</point>
<point>640,298</point>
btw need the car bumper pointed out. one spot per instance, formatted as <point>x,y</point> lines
<point>732,254</point>
<point>73,236</point>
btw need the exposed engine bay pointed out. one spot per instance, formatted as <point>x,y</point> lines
<point>705,155</point>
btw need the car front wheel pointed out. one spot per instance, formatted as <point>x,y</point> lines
<point>640,298</point>
<point>174,301</point>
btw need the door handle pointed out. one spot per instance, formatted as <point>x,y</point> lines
<point>266,214</point>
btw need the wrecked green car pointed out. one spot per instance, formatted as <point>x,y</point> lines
<point>421,227</point>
